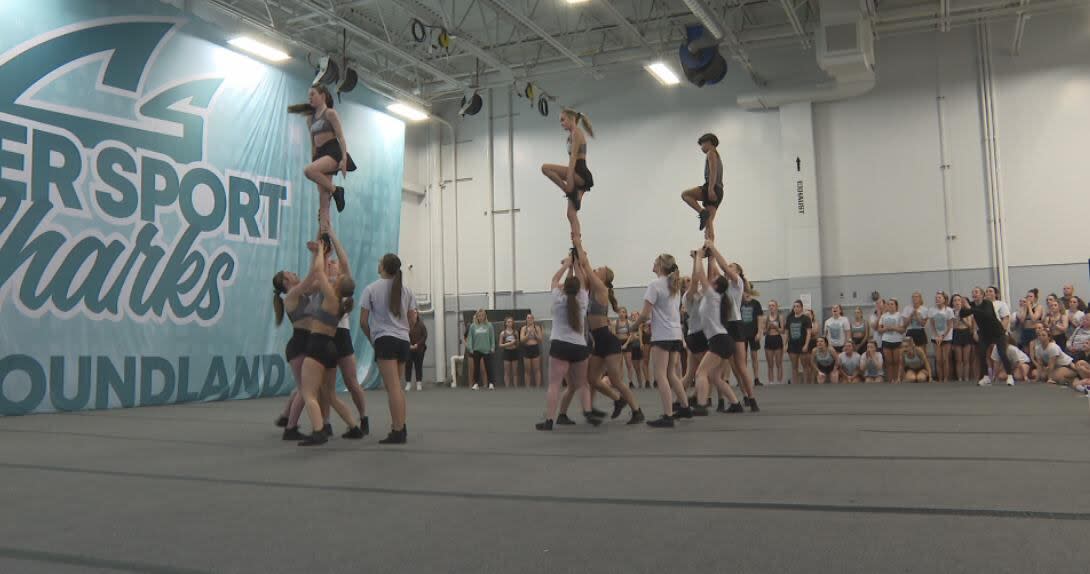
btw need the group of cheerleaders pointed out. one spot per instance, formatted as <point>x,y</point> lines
<point>319,307</point>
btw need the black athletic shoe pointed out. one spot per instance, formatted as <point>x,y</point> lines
<point>735,408</point>
<point>684,413</point>
<point>282,421</point>
<point>618,408</point>
<point>676,406</point>
<point>293,434</point>
<point>315,438</point>
<point>631,386</point>
<point>396,436</point>
<point>354,432</point>
<point>692,401</point>
<point>592,419</point>
<point>564,420</point>
<point>545,426</point>
<point>699,411</point>
<point>722,408</point>
<point>637,418</point>
<point>338,198</point>
<point>753,408</point>
<point>758,382</point>
<point>655,384</point>
<point>665,422</point>
<point>365,426</point>
<point>722,404</point>
<point>597,413</point>
<point>703,216</point>
<point>328,430</point>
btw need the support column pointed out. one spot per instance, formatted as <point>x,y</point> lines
<point>802,252</point>
<point>438,339</point>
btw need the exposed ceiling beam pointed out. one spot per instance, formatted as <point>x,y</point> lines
<point>465,42</point>
<point>386,46</point>
<point>623,22</point>
<point>793,19</point>
<point>529,24</point>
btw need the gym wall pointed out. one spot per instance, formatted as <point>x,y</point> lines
<point>145,209</point>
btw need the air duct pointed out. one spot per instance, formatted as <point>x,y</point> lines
<point>845,51</point>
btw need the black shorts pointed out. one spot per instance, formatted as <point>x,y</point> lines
<point>734,329</point>
<point>343,339</point>
<point>773,342</point>
<point>752,344</point>
<point>794,347</point>
<point>812,345</point>
<point>671,346</point>
<point>838,348</point>
<point>531,351</point>
<point>919,336</point>
<point>891,346</point>
<point>825,368</point>
<point>962,338</point>
<point>1079,356</point>
<point>568,352</point>
<point>637,353</point>
<point>697,343</point>
<point>323,349</point>
<point>584,173</point>
<point>605,342</point>
<point>391,349</point>
<point>297,345</point>
<point>510,354</point>
<point>332,148</point>
<point>704,196</point>
<point>860,344</point>
<point>1061,341</point>
<point>721,345</point>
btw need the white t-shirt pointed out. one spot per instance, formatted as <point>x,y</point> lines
<point>1014,354</point>
<point>850,364</point>
<point>912,322</point>
<point>1002,310</point>
<point>838,330</point>
<point>562,330</point>
<point>665,314</point>
<point>734,291</point>
<point>710,307</point>
<point>696,322</point>
<point>940,320</point>
<point>1079,339</point>
<point>1074,321</point>
<point>1044,355</point>
<point>890,320</point>
<point>376,299</point>
<point>344,323</point>
<point>872,321</point>
<point>872,367</point>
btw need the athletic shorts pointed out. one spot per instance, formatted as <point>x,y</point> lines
<point>962,338</point>
<point>838,348</point>
<point>323,349</point>
<point>605,342</point>
<point>568,352</point>
<point>391,349</point>
<point>510,354</point>
<point>637,353</point>
<point>794,347</point>
<point>343,340</point>
<point>734,329</point>
<point>704,196</point>
<point>531,351</point>
<point>721,345</point>
<point>753,344</point>
<point>890,345</point>
<point>919,336</point>
<point>297,345</point>
<point>332,148</point>
<point>674,346</point>
<point>697,343</point>
<point>582,171</point>
<point>773,342</point>
<point>825,368</point>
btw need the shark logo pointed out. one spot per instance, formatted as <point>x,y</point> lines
<point>128,155</point>
<point>126,49</point>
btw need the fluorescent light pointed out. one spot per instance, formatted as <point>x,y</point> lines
<point>408,112</point>
<point>663,74</point>
<point>256,48</point>
<point>577,1</point>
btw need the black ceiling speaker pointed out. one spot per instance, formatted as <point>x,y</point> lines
<point>471,105</point>
<point>349,82</point>
<point>328,72</point>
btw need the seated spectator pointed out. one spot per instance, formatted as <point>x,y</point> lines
<point>872,364</point>
<point>1051,364</point>
<point>1019,361</point>
<point>850,364</point>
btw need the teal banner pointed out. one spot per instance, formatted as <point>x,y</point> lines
<point>151,184</point>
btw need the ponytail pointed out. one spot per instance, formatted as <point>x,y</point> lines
<point>579,118</point>
<point>722,286</point>
<point>391,265</point>
<point>278,307</point>
<point>571,289</point>
<point>609,285</point>
<point>302,109</point>
<point>668,266</point>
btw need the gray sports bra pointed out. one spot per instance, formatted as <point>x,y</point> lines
<point>300,310</point>
<point>623,328</point>
<point>319,125</point>
<point>595,308</point>
<point>314,309</point>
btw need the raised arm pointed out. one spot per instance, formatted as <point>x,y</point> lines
<point>699,277</point>
<point>721,262</point>
<point>565,265</point>
<point>342,257</point>
<point>584,267</point>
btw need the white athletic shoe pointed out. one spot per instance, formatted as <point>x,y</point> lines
<point>408,386</point>
<point>454,385</point>
<point>476,387</point>
<point>1010,381</point>
<point>984,381</point>
<point>491,387</point>
<point>419,386</point>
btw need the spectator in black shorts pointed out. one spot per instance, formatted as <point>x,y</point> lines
<point>797,326</point>
<point>752,328</point>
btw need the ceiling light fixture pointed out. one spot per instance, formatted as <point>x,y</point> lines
<point>663,74</point>
<point>247,44</point>
<point>406,111</point>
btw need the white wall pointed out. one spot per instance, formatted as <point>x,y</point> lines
<point>879,167</point>
<point>415,231</point>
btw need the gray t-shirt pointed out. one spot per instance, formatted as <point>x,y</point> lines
<point>849,364</point>
<point>940,320</point>
<point>710,308</point>
<point>562,330</point>
<point>872,366</point>
<point>914,318</point>
<point>696,321</point>
<point>889,321</point>
<point>665,311</point>
<point>376,299</point>
<point>838,329</point>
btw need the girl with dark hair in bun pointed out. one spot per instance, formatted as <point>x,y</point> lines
<point>568,350</point>
<point>329,149</point>
<point>384,318</point>
<point>705,199</point>
<point>290,298</point>
<point>574,179</point>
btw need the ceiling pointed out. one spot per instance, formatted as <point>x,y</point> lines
<point>500,42</point>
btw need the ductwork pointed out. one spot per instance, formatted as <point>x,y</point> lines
<point>845,51</point>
